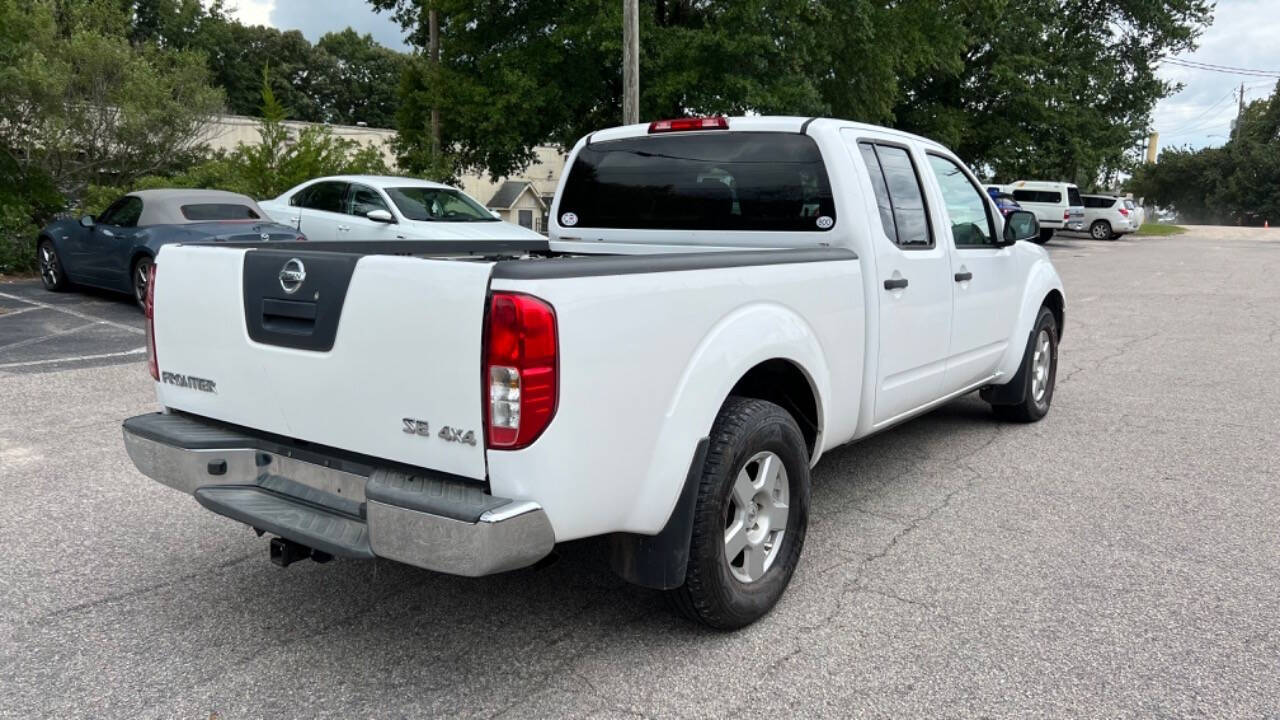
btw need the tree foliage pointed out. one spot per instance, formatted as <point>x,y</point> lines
<point>1236,184</point>
<point>80,104</point>
<point>1018,87</point>
<point>344,78</point>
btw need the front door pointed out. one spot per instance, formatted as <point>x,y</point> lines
<point>912,280</point>
<point>361,200</point>
<point>109,242</point>
<point>984,286</point>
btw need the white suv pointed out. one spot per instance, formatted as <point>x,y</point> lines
<point>1056,204</point>
<point>1108,217</point>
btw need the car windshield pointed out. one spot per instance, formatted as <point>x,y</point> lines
<point>218,211</point>
<point>426,203</point>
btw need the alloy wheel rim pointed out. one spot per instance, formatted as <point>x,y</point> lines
<point>756,516</point>
<point>48,265</point>
<point>1100,232</point>
<point>1041,363</point>
<point>140,274</point>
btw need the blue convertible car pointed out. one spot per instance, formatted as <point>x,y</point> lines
<point>115,250</point>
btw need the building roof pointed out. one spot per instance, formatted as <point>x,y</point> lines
<point>509,192</point>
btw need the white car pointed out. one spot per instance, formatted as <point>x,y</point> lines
<point>1057,205</point>
<point>373,207</point>
<point>1108,217</point>
<point>722,301</point>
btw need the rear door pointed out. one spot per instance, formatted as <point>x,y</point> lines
<point>912,279</point>
<point>339,353</point>
<point>321,210</point>
<point>983,276</point>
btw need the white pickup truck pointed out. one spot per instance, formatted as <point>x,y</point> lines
<point>721,302</point>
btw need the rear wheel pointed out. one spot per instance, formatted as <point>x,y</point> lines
<point>1045,236</point>
<point>141,276</point>
<point>1038,374</point>
<point>1101,230</point>
<point>51,272</point>
<point>750,516</point>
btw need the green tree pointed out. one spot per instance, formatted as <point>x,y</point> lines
<point>365,86</point>
<point>1018,87</point>
<point>79,104</point>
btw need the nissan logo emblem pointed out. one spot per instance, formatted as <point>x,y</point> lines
<point>292,275</point>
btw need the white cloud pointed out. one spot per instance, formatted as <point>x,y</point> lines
<point>251,12</point>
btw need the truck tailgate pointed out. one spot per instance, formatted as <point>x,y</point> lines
<point>342,357</point>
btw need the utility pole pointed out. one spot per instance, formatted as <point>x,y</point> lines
<point>433,54</point>
<point>630,61</point>
<point>1240,111</point>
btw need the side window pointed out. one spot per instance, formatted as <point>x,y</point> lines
<point>966,206</point>
<point>362,200</point>
<point>898,195</point>
<point>325,196</point>
<point>124,213</point>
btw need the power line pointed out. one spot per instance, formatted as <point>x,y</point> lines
<point>1210,67</point>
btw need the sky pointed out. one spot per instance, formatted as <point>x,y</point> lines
<point>1244,34</point>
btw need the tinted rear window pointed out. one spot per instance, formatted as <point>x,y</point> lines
<point>1038,196</point>
<point>703,181</point>
<point>218,211</point>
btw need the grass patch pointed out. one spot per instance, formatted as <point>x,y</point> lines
<point>1159,229</point>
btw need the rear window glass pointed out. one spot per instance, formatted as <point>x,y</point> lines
<point>219,211</point>
<point>1073,194</point>
<point>1038,196</point>
<point>704,181</point>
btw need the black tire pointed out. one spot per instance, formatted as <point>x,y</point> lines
<point>138,278</point>
<point>712,593</point>
<point>1101,230</point>
<point>1032,408</point>
<point>1045,236</point>
<point>52,274</point>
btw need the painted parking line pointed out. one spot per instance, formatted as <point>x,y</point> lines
<point>78,358</point>
<point>33,341</point>
<point>82,316</point>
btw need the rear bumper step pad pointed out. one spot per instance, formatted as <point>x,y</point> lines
<point>314,527</point>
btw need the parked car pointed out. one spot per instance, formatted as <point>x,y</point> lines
<point>1005,202</point>
<point>369,207</point>
<point>1108,217</point>
<point>721,302</point>
<point>114,251</point>
<point>1057,205</point>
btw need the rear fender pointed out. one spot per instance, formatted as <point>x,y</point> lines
<point>741,340</point>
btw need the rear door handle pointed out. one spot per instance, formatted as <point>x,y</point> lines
<point>964,276</point>
<point>895,284</point>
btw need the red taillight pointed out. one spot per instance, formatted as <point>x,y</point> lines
<point>681,124</point>
<point>149,309</point>
<point>1124,212</point>
<point>520,370</point>
<point>1066,214</point>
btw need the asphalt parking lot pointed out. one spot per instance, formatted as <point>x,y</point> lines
<point>1120,558</point>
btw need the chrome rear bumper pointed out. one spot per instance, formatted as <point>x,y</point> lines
<point>337,505</point>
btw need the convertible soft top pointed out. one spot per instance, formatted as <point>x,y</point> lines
<point>164,207</point>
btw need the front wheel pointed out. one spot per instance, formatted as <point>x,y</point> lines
<point>750,516</point>
<point>1038,374</point>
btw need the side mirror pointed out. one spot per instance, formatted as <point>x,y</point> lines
<point>86,221</point>
<point>381,216</point>
<point>1020,225</point>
